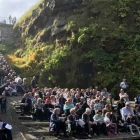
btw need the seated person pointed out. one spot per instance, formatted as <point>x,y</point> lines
<point>26,104</point>
<point>76,99</point>
<point>124,95</point>
<point>68,105</point>
<point>116,118</point>
<point>84,104</point>
<point>109,124</point>
<point>137,99</point>
<point>39,114</point>
<point>48,108</point>
<point>131,122</point>
<point>120,105</point>
<point>61,101</point>
<point>126,110</point>
<point>106,109</point>
<point>58,122</point>
<point>5,133</point>
<point>89,122</point>
<point>99,119</point>
<point>79,110</point>
<point>73,120</point>
<point>97,105</point>
<point>110,101</point>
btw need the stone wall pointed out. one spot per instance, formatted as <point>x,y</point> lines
<point>6,32</point>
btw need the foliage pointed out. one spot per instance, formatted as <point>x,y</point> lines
<point>97,49</point>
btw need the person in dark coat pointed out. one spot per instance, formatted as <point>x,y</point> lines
<point>76,99</point>
<point>75,127</point>
<point>89,122</point>
<point>5,134</point>
<point>34,83</point>
<point>59,122</point>
<point>48,107</point>
<point>131,122</point>
<point>3,101</point>
<point>120,105</point>
<point>62,101</point>
<point>79,110</point>
<point>84,104</point>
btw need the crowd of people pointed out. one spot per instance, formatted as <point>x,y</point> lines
<point>81,112</point>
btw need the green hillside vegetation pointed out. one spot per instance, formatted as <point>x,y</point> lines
<point>100,45</point>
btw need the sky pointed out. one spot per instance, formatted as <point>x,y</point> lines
<point>15,8</point>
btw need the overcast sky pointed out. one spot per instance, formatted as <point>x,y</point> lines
<point>16,8</point>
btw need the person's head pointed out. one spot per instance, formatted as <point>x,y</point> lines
<point>105,89</point>
<point>136,106</point>
<point>122,100</point>
<point>77,95</point>
<point>69,100</point>
<point>66,103</point>
<point>34,77</point>
<point>82,99</point>
<point>109,96</point>
<point>61,95</point>
<point>47,101</point>
<point>122,90</point>
<point>3,94</point>
<point>30,93</point>
<point>39,100</point>
<point>57,111</point>
<point>78,105</point>
<point>72,111</point>
<point>99,112</point>
<point>36,95</point>
<point>129,115</point>
<point>107,106</point>
<point>96,101</point>
<point>24,80</point>
<point>52,97</point>
<point>107,114</point>
<point>127,105</point>
<point>88,111</point>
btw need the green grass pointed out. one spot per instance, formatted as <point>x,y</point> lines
<point>28,14</point>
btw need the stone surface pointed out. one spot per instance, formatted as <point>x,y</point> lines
<point>6,32</point>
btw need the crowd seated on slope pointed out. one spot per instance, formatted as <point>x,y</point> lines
<point>84,112</point>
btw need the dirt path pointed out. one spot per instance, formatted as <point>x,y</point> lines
<point>12,118</point>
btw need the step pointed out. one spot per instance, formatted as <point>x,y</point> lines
<point>41,132</point>
<point>18,111</point>
<point>25,117</point>
<point>34,123</point>
<point>31,137</point>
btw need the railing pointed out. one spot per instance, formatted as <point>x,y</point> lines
<point>6,20</point>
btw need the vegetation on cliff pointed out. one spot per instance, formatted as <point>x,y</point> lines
<point>80,45</point>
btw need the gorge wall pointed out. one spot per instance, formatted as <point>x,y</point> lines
<point>80,43</point>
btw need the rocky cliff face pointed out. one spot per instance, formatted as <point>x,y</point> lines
<point>79,43</point>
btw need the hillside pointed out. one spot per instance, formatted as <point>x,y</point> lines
<point>80,43</point>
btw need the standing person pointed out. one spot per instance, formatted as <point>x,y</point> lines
<point>3,101</point>
<point>124,84</point>
<point>34,82</point>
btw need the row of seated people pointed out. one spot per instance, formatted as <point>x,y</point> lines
<point>89,125</point>
<point>43,111</point>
